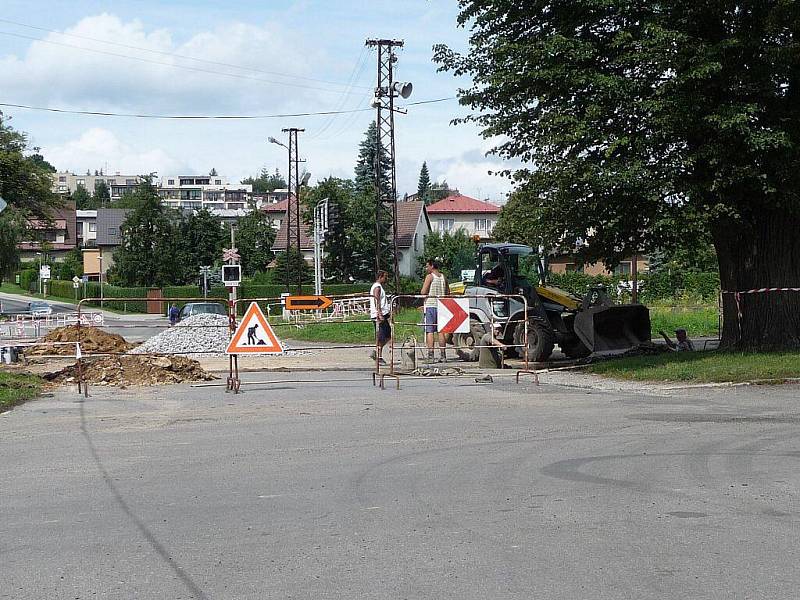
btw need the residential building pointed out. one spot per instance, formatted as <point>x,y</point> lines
<point>86,221</point>
<point>118,185</point>
<point>108,239</point>
<point>204,191</point>
<point>54,236</point>
<point>412,227</point>
<point>276,212</point>
<point>273,197</point>
<point>565,263</point>
<point>475,217</point>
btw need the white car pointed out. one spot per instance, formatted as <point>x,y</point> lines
<point>40,309</point>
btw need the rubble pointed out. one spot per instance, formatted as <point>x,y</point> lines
<point>93,340</point>
<point>133,370</point>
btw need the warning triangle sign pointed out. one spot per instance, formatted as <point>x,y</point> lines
<point>254,335</point>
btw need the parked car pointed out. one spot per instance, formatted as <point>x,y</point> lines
<point>40,309</point>
<point>202,308</point>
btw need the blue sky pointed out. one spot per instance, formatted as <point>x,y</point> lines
<point>262,57</point>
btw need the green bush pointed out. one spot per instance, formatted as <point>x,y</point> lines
<point>28,279</point>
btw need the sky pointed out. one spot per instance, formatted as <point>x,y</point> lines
<point>237,57</point>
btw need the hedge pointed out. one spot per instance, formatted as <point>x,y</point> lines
<point>654,288</point>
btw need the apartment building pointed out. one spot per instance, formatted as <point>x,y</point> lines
<point>204,191</point>
<point>118,185</point>
<point>269,198</point>
<point>476,217</point>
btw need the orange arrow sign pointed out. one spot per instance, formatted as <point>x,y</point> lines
<point>307,302</point>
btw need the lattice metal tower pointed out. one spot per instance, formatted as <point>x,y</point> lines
<point>293,221</point>
<point>386,91</point>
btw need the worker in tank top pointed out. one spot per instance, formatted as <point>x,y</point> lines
<point>435,286</point>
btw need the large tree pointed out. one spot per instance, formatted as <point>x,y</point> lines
<point>254,238</point>
<point>647,125</point>
<point>150,253</point>
<point>424,184</point>
<point>201,238</point>
<point>25,184</point>
<point>102,197</point>
<point>82,199</point>
<point>366,163</point>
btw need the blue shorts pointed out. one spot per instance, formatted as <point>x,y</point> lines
<point>431,317</point>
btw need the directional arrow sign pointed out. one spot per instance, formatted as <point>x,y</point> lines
<point>307,302</point>
<point>453,315</point>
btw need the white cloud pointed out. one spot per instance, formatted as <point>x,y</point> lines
<point>53,72</point>
<point>98,147</point>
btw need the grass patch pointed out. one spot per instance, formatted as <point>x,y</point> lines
<point>702,367</point>
<point>16,388</point>
<point>355,331</point>
<point>698,322</point>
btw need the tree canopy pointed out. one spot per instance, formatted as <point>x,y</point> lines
<point>266,182</point>
<point>648,125</point>
<point>254,239</point>
<point>424,185</point>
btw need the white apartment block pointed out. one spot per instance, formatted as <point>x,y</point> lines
<point>118,185</point>
<point>213,192</point>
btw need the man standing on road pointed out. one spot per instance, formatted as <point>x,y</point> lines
<point>173,314</point>
<point>379,312</point>
<point>435,286</point>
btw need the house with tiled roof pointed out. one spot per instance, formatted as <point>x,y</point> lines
<point>413,225</point>
<point>54,236</point>
<point>455,212</point>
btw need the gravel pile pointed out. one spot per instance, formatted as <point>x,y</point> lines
<point>199,334</point>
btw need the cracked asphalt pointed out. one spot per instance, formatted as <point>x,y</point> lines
<point>321,486</point>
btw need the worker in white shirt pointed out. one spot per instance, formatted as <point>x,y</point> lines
<point>380,312</point>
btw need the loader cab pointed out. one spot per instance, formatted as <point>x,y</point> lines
<point>499,267</point>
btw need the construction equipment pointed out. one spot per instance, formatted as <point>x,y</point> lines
<point>580,326</point>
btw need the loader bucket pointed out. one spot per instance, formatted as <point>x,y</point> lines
<point>612,329</point>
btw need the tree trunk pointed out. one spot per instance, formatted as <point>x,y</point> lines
<point>761,253</point>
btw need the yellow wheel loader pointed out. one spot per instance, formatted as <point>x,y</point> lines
<point>580,326</point>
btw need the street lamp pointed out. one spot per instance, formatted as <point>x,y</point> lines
<point>100,260</point>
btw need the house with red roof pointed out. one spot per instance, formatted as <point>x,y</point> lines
<point>455,212</point>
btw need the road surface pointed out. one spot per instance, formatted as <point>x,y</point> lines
<point>445,489</point>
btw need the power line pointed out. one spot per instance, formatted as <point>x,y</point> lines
<point>176,66</point>
<point>172,54</point>
<point>207,117</point>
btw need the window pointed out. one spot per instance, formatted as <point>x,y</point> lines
<point>62,188</point>
<point>218,182</point>
<point>170,182</point>
<point>202,181</point>
<point>623,268</point>
<point>92,226</point>
<point>573,268</point>
<point>186,182</point>
<point>62,179</point>
<point>482,224</point>
<point>81,182</point>
<point>130,182</point>
<point>112,182</point>
<point>49,236</point>
<point>112,231</point>
<point>446,224</point>
<point>416,244</point>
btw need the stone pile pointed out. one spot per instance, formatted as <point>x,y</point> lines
<point>203,335</point>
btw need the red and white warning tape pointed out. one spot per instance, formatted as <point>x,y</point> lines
<point>738,297</point>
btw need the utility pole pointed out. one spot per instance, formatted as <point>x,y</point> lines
<point>294,185</point>
<point>386,90</point>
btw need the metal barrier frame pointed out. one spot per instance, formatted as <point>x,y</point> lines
<point>378,376</point>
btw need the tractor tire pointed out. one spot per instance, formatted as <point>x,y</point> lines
<point>574,349</point>
<point>541,341</point>
<point>466,343</point>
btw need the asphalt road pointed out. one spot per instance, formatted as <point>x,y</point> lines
<point>17,306</point>
<point>445,489</point>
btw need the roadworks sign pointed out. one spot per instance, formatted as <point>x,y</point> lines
<point>254,335</point>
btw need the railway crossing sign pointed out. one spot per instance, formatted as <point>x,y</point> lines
<point>254,335</point>
<point>453,315</point>
<point>307,302</point>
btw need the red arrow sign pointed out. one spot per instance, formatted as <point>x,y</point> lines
<point>452,316</point>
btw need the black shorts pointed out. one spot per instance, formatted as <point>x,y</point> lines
<point>383,329</point>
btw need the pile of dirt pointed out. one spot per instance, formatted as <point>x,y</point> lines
<point>93,340</point>
<point>133,370</point>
